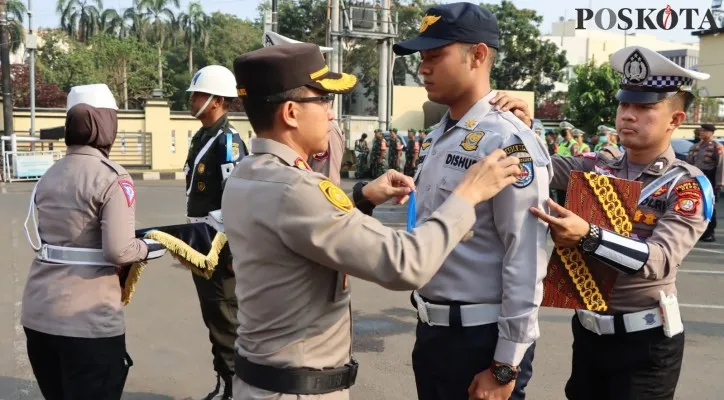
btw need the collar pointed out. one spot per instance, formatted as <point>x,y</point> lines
<point>84,150</point>
<point>657,167</point>
<point>472,118</point>
<point>279,150</point>
<point>214,128</point>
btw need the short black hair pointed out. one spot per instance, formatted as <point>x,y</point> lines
<point>681,100</point>
<point>261,113</point>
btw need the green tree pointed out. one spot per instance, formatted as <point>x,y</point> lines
<point>591,96</point>
<point>194,24</point>
<point>162,20</point>
<point>303,20</point>
<point>80,18</point>
<point>409,16</point>
<point>524,62</point>
<point>16,13</point>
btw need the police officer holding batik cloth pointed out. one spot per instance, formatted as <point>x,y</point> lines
<point>295,246</point>
<point>634,350</point>
<point>72,309</point>
<point>478,316</point>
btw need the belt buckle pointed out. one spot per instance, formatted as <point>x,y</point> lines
<point>353,367</point>
<point>589,322</point>
<point>421,308</point>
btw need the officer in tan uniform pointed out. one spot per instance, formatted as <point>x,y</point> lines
<point>295,247</point>
<point>708,155</point>
<point>635,349</point>
<point>72,311</point>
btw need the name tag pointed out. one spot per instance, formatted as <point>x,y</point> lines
<point>459,161</point>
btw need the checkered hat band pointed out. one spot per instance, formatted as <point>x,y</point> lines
<point>664,81</point>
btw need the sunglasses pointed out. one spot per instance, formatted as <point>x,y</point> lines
<point>326,99</point>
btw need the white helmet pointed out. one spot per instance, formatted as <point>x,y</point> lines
<point>214,79</point>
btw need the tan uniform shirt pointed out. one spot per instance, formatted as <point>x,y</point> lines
<point>671,221</point>
<point>293,244</point>
<point>84,200</point>
<point>329,163</point>
<point>707,157</point>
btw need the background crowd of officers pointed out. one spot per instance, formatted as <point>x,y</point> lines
<point>386,153</point>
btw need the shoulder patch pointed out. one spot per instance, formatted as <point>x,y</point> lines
<point>471,140</point>
<point>426,143</point>
<point>689,187</point>
<point>128,190</point>
<point>526,164</point>
<point>336,196</point>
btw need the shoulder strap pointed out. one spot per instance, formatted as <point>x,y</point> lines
<point>536,149</point>
<point>672,175</point>
<point>708,195</point>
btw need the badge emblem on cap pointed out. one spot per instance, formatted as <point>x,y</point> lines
<point>636,69</point>
<point>428,20</point>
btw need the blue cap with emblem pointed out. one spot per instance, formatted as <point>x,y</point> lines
<point>649,77</point>
<point>449,23</point>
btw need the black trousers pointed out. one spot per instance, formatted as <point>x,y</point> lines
<point>218,309</point>
<point>642,365</point>
<point>711,175</point>
<point>445,360</point>
<point>69,368</point>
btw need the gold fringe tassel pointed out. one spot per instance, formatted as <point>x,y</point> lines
<point>199,264</point>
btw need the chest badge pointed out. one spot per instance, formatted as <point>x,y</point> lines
<point>471,140</point>
<point>201,168</point>
<point>201,186</point>
<point>471,123</point>
<point>235,151</point>
<point>426,143</point>
<point>660,191</point>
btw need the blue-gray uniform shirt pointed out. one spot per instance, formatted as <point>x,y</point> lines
<point>504,260</point>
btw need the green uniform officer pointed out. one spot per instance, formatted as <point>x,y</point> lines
<point>215,149</point>
<point>564,148</point>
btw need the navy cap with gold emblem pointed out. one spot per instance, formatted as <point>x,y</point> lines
<point>449,23</point>
<point>273,70</point>
<point>649,77</point>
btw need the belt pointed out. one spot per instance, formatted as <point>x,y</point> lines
<point>447,315</point>
<point>620,323</point>
<point>72,255</point>
<point>214,219</point>
<point>296,380</point>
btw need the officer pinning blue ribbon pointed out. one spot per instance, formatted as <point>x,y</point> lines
<point>411,212</point>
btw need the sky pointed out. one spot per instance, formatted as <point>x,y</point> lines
<point>551,10</point>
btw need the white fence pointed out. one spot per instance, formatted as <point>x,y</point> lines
<point>29,162</point>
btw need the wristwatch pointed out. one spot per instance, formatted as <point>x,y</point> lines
<point>360,201</point>
<point>504,373</point>
<point>590,242</point>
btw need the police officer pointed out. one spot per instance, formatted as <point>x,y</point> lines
<point>215,149</point>
<point>478,316</point>
<point>378,156</point>
<point>566,145</point>
<point>708,155</point>
<point>71,311</point>
<point>294,247</point>
<point>635,349</point>
<point>579,146</point>
<point>412,152</point>
<point>362,151</point>
<point>394,146</point>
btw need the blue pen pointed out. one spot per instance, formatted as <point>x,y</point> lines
<point>411,212</point>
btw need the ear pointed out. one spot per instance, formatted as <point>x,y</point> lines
<point>290,114</point>
<point>677,118</point>
<point>480,54</point>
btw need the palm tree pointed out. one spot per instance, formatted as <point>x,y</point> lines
<point>137,20</point>
<point>80,18</point>
<point>162,20</point>
<point>16,12</point>
<point>112,23</point>
<point>195,27</point>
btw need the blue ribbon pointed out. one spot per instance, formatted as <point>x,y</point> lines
<point>229,145</point>
<point>708,198</point>
<point>411,212</point>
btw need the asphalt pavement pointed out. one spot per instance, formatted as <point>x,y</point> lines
<point>169,344</point>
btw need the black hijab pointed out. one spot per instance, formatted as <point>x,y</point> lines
<point>89,126</point>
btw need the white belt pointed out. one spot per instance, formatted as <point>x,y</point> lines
<point>470,314</point>
<point>72,255</point>
<point>633,322</point>
<point>214,219</point>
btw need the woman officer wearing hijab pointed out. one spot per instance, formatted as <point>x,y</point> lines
<point>72,311</point>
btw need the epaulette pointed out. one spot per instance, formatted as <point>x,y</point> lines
<point>610,153</point>
<point>114,166</point>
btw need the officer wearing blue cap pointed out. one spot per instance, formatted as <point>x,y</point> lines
<point>635,349</point>
<point>478,316</point>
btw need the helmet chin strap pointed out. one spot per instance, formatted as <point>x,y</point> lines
<point>211,97</point>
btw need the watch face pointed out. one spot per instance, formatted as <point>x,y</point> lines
<point>504,374</point>
<point>589,245</point>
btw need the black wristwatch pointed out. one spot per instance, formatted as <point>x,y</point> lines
<point>590,242</point>
<point>360,201</point>
<point>504,373</point>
